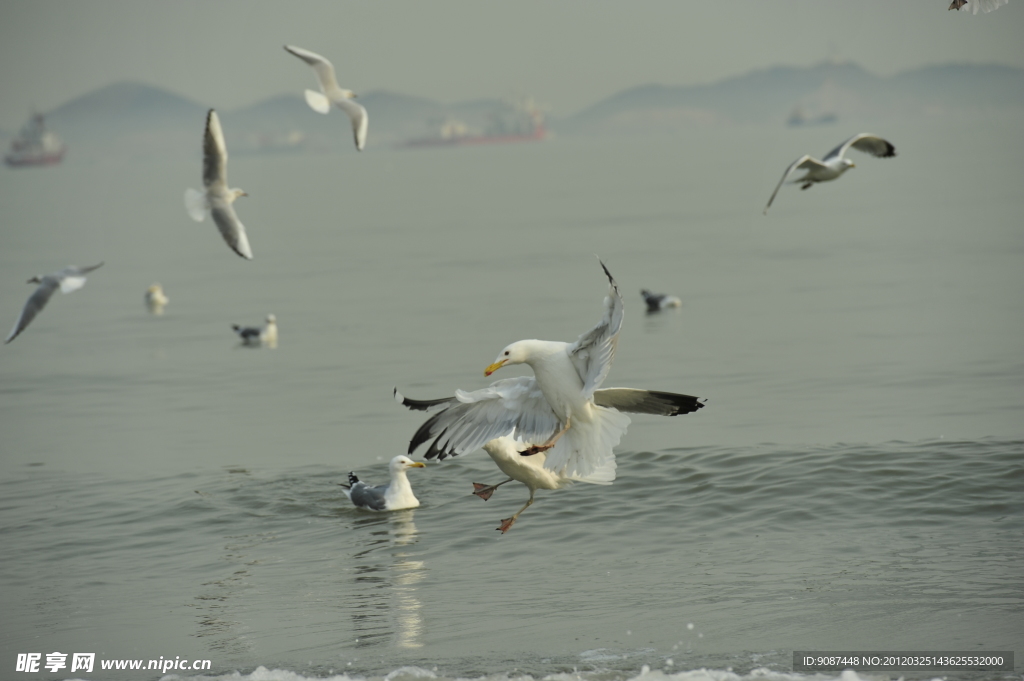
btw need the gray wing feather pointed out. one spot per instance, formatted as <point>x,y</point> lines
<point>512,406</point>
<point>593,353</point>
<point>365,496</point>
<point>655,402</point>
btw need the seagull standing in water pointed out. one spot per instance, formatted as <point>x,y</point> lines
<point>560,406</point>
<point>834,164</point>
<point>977,5</point>
<point>254,335</point>
<point>394,496</point>
<point>218,198</point>
<point>67,280</point>
<point>330,93</point>
<point>156,299</point>
<point>656,302</point>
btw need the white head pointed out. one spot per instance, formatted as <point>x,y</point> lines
<point>271,319</point>
<point>517,353</point>
<point>847,164</point>
<point>236,192</point>
<point>404,463</point>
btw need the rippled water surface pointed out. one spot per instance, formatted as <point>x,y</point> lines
<point>854,482</point>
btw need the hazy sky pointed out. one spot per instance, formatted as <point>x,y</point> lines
<point>567,53</point>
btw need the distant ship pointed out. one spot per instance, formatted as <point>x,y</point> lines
<point>513,123</point>
<point>798,118</point>
<point>35,146</point>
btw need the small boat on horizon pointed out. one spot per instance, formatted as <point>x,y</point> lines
<point>35,146</point>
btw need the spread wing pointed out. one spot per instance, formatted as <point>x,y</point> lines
<point>869,144</point>
<point>360,121</point>
<point>35,303</point>
<point>804,161</point>
<point>321,65</point>
<point>636,401</point>
<point>231,228</point>
<point>512,406</point>
<point>593,353</point>
<point>215,153</point>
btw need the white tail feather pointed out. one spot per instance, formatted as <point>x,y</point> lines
<point>195,204</point>
<point>69,284</point>
<point>584,452</point>
<point>318,101</point>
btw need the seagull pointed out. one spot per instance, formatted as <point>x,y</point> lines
<point>217,199</point>
<point>978,5</point>
<point>67,280</point>
<point>834,163</point>
<point>254,335</point>
<point>155,299</point>
<point>560,406</point>
<point>656,302</point>
<point>394,496</point>
<point>330,92</point>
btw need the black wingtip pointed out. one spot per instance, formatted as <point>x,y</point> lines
<point>352,479</point>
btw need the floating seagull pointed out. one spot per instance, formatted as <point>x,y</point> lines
<point>834,163</point>
<point>67,280</point>
<point>978,5</point>
<point>254,335</point>
<point>393,496</point>
<point>559,406</point>
<point>330,92</point>
<point>218,198</point>
<point>656,302</point>
<point>156,300</point>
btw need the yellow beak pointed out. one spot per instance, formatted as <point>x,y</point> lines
<point>494,367</point>
<point>417,464</point>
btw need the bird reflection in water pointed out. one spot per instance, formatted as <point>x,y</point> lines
<point>387,573</point>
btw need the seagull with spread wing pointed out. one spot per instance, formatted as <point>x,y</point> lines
<point>834,164</point>
<point>218,199</point>
<point>561,406</point>
<point>330,93</point>
<point>67,280</point>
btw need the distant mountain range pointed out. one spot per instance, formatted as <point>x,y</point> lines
<point>840,90</point>
<point>143,120</point>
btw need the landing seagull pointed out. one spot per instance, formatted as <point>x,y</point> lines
<point>977,5</point>
<point>330,92</point>
<point>560,406</point>
<point>67,280</point>
<point>834,164</point>
<point>394,496</point>
<point>656,302</point>
<point>217,199</point>
<point>254,335</point>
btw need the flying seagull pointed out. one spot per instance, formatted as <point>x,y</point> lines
<point>67,280</point>
<point>656,302</point>
<point>254,335</point>
<point>559,407</point>
<point>977,5</point>
<point>217,199</point>
<point>331,93</point>
<point>834,163</point>
<point>394,496</point>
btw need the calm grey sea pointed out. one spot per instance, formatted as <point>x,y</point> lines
<point>854,483</point>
